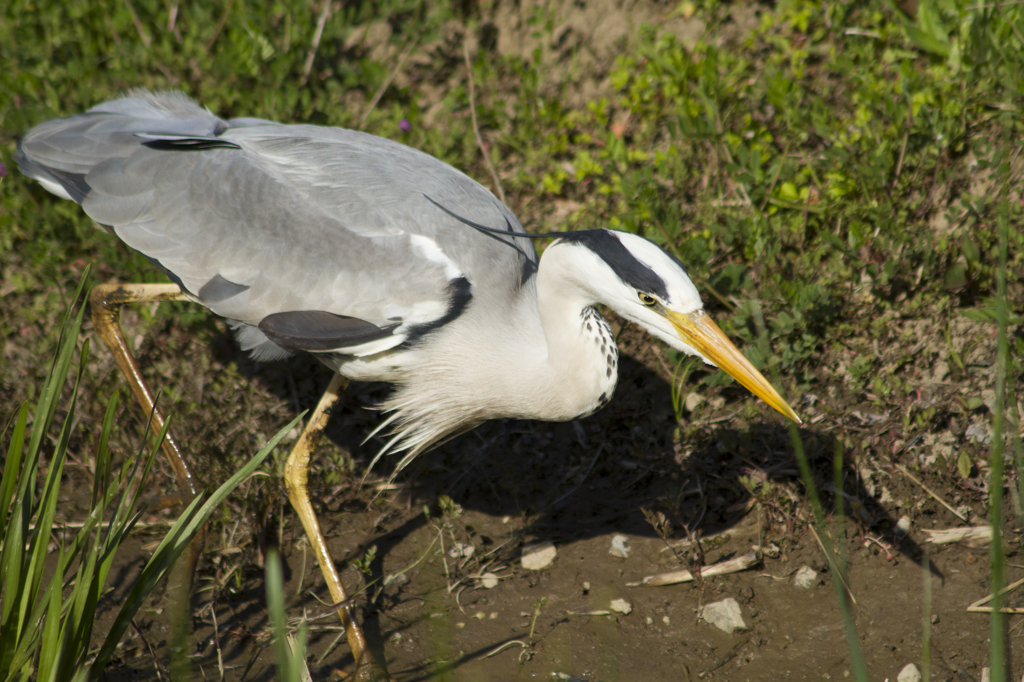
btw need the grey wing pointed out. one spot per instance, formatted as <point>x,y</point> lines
<point>257,219</point>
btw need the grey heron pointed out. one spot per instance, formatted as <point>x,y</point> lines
<point>383,262</point>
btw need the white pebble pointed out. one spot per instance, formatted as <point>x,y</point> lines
<point>910,673</point>
<point>538,557</point>
<point>806,577</point>
<point>489,581</point>
<point>621,606</point>
<point>724,615</point>
<point>620,547</point>
<point>461,551</point>
<point>903,525</point>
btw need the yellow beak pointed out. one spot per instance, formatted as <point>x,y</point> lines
<point>699,331</point>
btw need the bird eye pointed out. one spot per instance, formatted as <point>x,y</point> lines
<point>647,299</point>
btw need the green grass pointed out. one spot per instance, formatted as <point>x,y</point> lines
<point>48,608</point>
<point>842,167</point>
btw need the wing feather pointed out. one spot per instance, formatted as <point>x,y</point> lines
<point>298,218</point>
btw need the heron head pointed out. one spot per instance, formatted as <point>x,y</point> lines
<point>649,286</point>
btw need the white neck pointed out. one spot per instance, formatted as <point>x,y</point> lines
<point>547,354</point>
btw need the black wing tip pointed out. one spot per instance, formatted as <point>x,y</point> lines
<point>319,331</point>
<point>189,144</point>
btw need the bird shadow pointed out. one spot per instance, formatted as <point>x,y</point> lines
<point>588,478</point>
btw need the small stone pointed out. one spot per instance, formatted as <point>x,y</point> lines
<point>724,615</point>
<point>461,551</point>
<point>586,586</point>
<point>693,401</point>
<point>935,618</point>
<point>649,621</point>
<point>910,673</point>
<point>620,547</point>
<point>986,675</point>
<point>805,578</point>
<point>493,616</point>
<point>488,581</point>
<point>396,579</point>
<point>538,557</point>
<point>903,525</point>
<point>666,620</point>
<point>978,433</point>
<point>460,625</point>
<point>621,606</point>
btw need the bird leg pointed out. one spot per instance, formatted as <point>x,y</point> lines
<point>106,301</point>
<point>296,471</point>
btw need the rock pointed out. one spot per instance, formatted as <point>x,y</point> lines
<point>620,546</point>
<point>460,551</point>
<point>488,581</point>
<point>693,401</point>
<point>586,586</point>
<point>935,618</point>
<point>910,673</point>
<point>538,557</point>
<point>396,579</point>
<point>621,606</point>
<point>724,615</point>
<point>806,577</point>
<point>903,525</point>
<point>986,675</point>
<point>978,433</point>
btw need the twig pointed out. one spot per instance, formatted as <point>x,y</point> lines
<point>220,25</point>
<point>216,640</point>
<point>775,177</point>
<point>324,13</point>
<point>172,26</point>
<point>740,563</point>
<point>863,32</point>
<point>833,567</point>
<point>978,606</point>
<point>156,661</point>
<point>498,650</point>
<point>931,492</point>
<point>476,129</point>
<point>384,87</point>
<point>903,147</point>
<point>973,535</point>
<point>138,23</point>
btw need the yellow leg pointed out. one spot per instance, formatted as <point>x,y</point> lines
<point>295,475</point>
<point>106,301</point>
